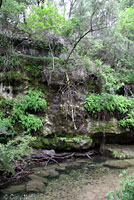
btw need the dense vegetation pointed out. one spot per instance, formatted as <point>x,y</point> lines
<point>125,189</point>
<point>97,35</point>
<point>115,105</point>
<point>16,143</point>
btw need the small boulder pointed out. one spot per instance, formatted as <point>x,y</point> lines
<point>35,186</point>
<point>119,164</point>
<point>47,173</point>
<point>13,189</point>
<point>38,178</point>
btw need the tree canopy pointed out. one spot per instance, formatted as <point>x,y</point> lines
<point>98,24</point>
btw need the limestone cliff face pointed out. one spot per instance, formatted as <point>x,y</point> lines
<point>67,124</point>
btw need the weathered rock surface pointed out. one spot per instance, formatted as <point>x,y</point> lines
<point>35,186</point>
<point>13,189</point>
<point>59,130</point>
<point>130,161</point>
<point>34,177</point>
<point>119,164</point>
<point>47,173</point>
<point>118,151</point>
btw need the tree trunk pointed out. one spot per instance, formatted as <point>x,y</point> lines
<point>0,3</point>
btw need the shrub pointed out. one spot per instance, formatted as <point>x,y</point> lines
<point>94,104</point>
<point>34,70</point>
<point>107,103</point>
<point>108,77</point>
<point>30,122</point>
<point>15,149</point>
<point>34,101</point>
<point>9,61</point>
<point>128,121</point>
<point>123,104</point>
<point>6,126</point>
<point>125,189</point>
<point>9,102</point>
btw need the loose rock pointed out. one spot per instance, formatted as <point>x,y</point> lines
<point>35,186</point>
<point>119,164</point>
<point>13,189</point>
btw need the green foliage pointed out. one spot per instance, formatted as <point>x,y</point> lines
<point>70,26</point>
<point>34,101</point>
<point>9,102</point>
<point>6,126</point>
<point>34,70</point>
<point>63,139</point>
<point>125,189</point>
<point>35,64</point>
<point>127,21</point>
<point>9,60</point>
<point>96,48</point>
<point>15,149</point>
<point>107,103</point>
<point>11,13</point>
<point>68,140</point>
<point>128,121</point>
<point>8,57</point>
<point>128,76</point>
<point>108,77</point>
<point>123,104</point>
<point>94,104</point>
<point>1,114</point>
<point>77,140</point>
<point>43,17</point>
<point>119,155</point>
<point>30,122</point>
<point>105,127</point>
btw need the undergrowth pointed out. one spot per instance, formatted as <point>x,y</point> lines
<point>125,189</point>
<point>15,149</point>
<point>34,101</point>
<point>115,105</point>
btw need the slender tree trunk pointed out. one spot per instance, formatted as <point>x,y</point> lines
<point>0,3</point>
<point>77,42</point>
<point>72,5</point>
<point>24,18</point>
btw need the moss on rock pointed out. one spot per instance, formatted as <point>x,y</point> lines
<point>68,143</point>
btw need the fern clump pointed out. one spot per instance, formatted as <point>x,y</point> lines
<point>94,104</point>
<point>30,122</point>
<point>123,104</point>
<point>128,121</point>
<point>34,101</point>
<point>112,104</point>
<point>107,103</point>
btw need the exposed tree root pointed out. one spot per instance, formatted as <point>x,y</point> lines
<point>39,158</point>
